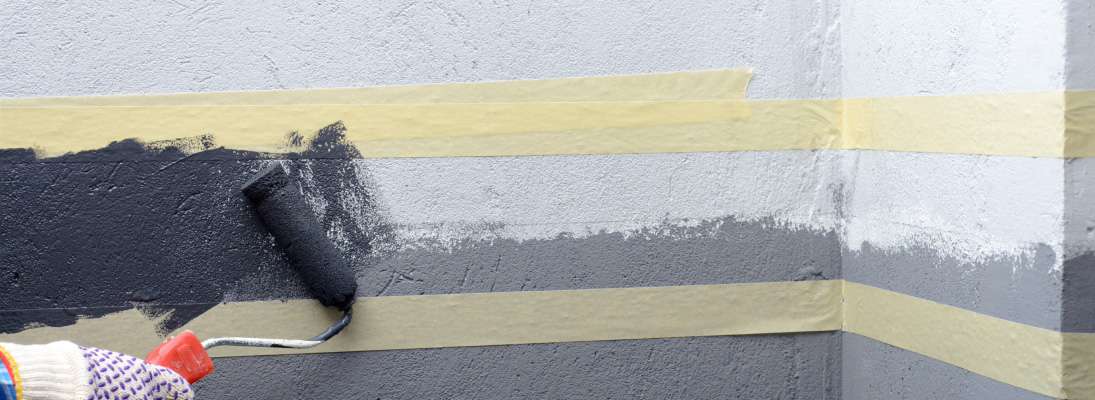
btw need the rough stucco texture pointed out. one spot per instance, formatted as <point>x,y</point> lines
<point>1078,270</point>
<point>1080,63</point>
<point>196,242</point>
<point>745,367</point>
<point>875,370</point>
<point>920,47</point>
<point>107,47</point>
<point>995,287</point>
<point>781,215</point>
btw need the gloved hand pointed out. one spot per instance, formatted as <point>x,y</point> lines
<point>63,370</point>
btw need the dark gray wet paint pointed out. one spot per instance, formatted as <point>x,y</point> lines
<point>1078,294</point>
<point>89,232</point>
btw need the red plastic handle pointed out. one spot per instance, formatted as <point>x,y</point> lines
<point>183,354</point>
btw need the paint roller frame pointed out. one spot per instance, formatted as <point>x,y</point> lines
<point>283,211</point>
<point>281,207</point>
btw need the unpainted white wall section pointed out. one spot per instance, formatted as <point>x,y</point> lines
<point>921,47</point>
<point>435,202</point>
<point>110,47</point>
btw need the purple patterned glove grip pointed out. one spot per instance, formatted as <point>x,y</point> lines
<point>121,377</point>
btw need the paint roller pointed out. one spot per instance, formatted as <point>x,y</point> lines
<point>303,240</point>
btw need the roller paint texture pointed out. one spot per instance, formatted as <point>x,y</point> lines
<point>281,206</point>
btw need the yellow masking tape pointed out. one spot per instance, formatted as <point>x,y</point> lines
<point>772,125</point>
<point>1078,361</point>
<point>1009,124</point>
<point>722,84</point>
<point>130,332</point>
<point>718,84</point>
<point>1036,359</point>
<point>263,128</point>
<point>484,319</point>
<point>1080,123</point>
<point>1010,352</point>
<point>1039,124</point>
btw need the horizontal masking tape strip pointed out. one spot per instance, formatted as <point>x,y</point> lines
<point>1036,124</point>
<point>1078,361</point>
<point>1040,360</point>
<point>484,319</point>
<point>443,130</point>
<point>1080,123</point>
<point>1008,124</point>
<point>772,125</point>
<point>57,130</point>
<point>718,84</point>
<point>1033,124</point>
<point>1010,352</point>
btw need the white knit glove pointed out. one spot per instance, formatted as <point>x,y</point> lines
<point>65,371</point>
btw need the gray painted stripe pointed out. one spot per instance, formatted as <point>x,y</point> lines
<point>1016,289</point>
<point>803,366</point>
<point>1077,296</point>
<point>713,252</point>
<point>160,232</point>
<point>1078,278</point>
<point>875,370</point>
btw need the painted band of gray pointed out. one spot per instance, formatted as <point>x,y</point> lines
<point>875,370</point>
<point>74,219</point>
<point>196,242</point>
<point>1077,296</point>
<point>1079,45</point>
<point>1078,268</point>
<point>798,366</point>
<point>1016,289</point>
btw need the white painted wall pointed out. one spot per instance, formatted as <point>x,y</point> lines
<point>969,206</point>
<point>1079,207</point>
<point>441,201</point>
<point>920,47</point>
<point>105,47</point>
<point>110,47</point>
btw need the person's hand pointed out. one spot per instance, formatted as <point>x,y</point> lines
<point>63,370</point>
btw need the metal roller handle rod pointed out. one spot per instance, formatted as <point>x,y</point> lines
<point>283,343</point>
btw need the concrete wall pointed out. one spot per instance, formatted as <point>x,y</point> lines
<point>106,47</point>
<point>1079,232</point>
<point>450,225</point>
<point>982,233</point>
<point>1009,237</point>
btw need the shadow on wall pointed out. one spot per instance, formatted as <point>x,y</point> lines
<point>147,225</point>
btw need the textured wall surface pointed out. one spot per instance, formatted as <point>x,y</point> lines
<point>1080,64</point>
<point>184,239</point>
<point>106,47</point>
<point>1078,269</point>
<point>766,366</point>
<point>882,371</point>
<point>984,233</point>
<point>1010,237</point>
<point>919,47</point>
